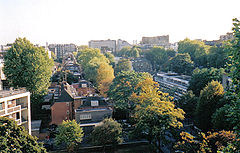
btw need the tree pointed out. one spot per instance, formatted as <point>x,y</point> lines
<point>105,76</point>
<point>220,119</point>
<point>70,133</point>
<point>155,114</point>
<point>110,57</point>
<point>108,132</point>
<point>209,101</point>
<point>123,65</point>
<point>188,103</point>
<point>218,57</point>
<point>181,64</point>
<point>206,143</point>
<point>121,90</point>
<point>196,49</point>
<point>129,52</point>
<point>14,138</point>
<point>157,56</point>
<point>28,66</point>
<point>201,77</point>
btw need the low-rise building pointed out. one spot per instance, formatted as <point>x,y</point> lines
<point>15,104</point>
<point>172,82</point>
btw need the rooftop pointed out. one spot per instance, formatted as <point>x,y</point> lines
<point>11,92</point>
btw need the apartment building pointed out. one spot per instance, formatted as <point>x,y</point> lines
<point>103,45</point>
<point>172,82</point>
<point>15,104</point>
<point>61,50</point>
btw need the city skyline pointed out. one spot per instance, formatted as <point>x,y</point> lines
<point>78,22</point>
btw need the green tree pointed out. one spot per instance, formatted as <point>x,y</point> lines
<point>110,57</point>
<point>28,66</point>
<point>123,65</point>
<point>121,90</point>
<point>70,133</point>
<point>14,138</point>
<point>129,52</point>
<point>209,100</point>
<point>155,113</point>
<point>218,57</point>
<point>157,57</point>
<point>188,103</point>
<point>201,77</point>
<point>181,64</point>
<point>108,132</point>
<point>196,49</point>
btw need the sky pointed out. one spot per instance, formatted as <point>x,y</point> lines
<point>79,21</point>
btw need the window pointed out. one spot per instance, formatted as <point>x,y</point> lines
<point>1,107</point>
<point>67,104</point>
<point>85,116</point>
<point>94,102</point>
<point>67,111</point>
<point>84,85</point>
<point>17,115</point>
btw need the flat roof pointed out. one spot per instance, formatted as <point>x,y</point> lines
<point>7,93</point>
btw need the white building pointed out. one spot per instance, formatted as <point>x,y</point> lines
<point>103,45</point>
<point>15,104</point>
<point>121,44</point>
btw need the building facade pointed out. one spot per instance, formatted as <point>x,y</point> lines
<point>103,45</point>
<point>60,50</point>
<point>121,44</point>
<point>15,104</point>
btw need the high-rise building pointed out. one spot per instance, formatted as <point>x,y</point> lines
<point>61,50</point>
<point>103,45</point>
<point>15,104</point>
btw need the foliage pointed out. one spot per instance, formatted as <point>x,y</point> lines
<point>181,64</point>
<point>218,57</point>
<point>14,138</point>
<point>212,142</point>
<point>123,65</point>
<point>155,113</point>
<point>105,77</point>
<point>70,133</point>
<point>28,66</point>
<point>188,103</point>
<point>121,90</point>
<point>220,119</point>
<point>209,101</point>
<point>201,77</point>
<point>158,56</point>
<point>108,132</point>
<point>110,57</point>
<point>129,52</point>
<point>196,49</point>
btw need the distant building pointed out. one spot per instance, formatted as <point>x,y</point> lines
<point>61,50</point>
<point>172,82</point>
<point>228,36</point>
<point>103,45</point>
<point>121,44</point>
<point>156,41</point>
<point>15,104</point>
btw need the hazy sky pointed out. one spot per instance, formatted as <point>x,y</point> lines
<point>78,21</point>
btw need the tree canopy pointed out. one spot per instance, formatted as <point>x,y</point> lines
<point>70,133</point>
<point>181,64</point>
<point>123,65</point>
<point>108,132</point>
<point>121,90</point>
<point>155,113</point>
<point>14,138</point>
<point>209,100</point>
<point>129,52</point>
<point>201,77</point>
<point>28,66</point>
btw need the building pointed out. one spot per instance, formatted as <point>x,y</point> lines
<point>61,50</point>
<point>228,36</point>
<point>156,41</point>
<point>121,44</point>
<point>103,45</point>
<point>93,110</point>
<point>15,104</point>
<point>172,82</point>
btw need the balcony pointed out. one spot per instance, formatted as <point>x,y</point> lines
<point>14,109</point>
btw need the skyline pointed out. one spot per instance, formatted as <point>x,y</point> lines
<point>72,21</point>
